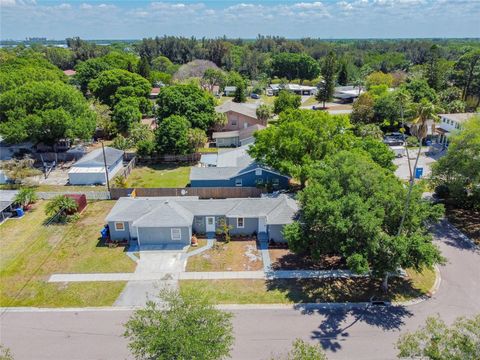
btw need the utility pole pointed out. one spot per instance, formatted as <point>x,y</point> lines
<point>106,168</point>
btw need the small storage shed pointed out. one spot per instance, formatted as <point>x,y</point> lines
<point>90,169</point>
<point>80,199</point>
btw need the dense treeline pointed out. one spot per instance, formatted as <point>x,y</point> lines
<point>116,80</point>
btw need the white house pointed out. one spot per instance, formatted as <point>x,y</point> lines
<point>450,123</point>
<point>90,169</point>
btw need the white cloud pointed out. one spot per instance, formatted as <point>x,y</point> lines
<point>64,6</point>
<point>8,3</point>
<point>86,6</point>
<point>314,5</point>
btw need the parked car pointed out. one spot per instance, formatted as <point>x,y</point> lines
<point>254,96</point>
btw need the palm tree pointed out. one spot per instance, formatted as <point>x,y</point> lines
<point>425,111</point>
<point>264,112</point>
<point>403,99</point>
<point>25,197</point>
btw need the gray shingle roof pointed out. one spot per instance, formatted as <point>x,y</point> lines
<point>240,108</point>
<point>179,211</point>
<point>95,158</point>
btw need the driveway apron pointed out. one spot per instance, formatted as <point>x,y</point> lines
<point>136,293</point>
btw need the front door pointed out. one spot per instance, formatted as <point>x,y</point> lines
<point>262,226</point>
<point>210,224</point>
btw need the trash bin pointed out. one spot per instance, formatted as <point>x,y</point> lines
<point>19,212</point>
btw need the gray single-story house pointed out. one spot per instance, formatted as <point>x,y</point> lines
<point>236,168</point>
<point>90,169</point>
<point>236,138</point>
<point>172,220</point>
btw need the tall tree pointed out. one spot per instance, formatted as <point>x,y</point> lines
<point>264,113</point>
<point>240,93</point>
<point>328,71</point>
<point>172,136</point>
<point>143,68</point>
<point>183,327</point>
<point>351,207</point>
<point>343,74</point>
<point>425,112</point>
<point>190,101</point>
<point>433,68</point>
<point>286,100</point>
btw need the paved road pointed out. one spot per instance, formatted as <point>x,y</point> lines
<point>354,334</point>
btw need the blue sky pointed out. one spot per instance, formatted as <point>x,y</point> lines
<point>103,19</point>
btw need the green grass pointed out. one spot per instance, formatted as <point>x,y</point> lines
<point>310,101</point>
<point>288,291</point>
<point>31,252</point>
<point>207,150</point>
<point>153,176</point>
<point>264,99</point>
<point>224,99</point>
<point>58,188</point>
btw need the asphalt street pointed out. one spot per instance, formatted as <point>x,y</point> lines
<point>260,333</point>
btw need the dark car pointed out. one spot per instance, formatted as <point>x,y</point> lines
<point>255,96</point>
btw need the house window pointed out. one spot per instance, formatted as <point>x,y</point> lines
<point>258,172</point>
<point>275,182</point>
<point>260,181</point>
<point>119,226</point>
<point>238,182</point>
<point>176,234</point>
<point>240,223</point>
<point>210,220</point>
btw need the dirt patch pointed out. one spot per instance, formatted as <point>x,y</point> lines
<point>467,221</point>
<point>284,259</point>
<point>233,256</point>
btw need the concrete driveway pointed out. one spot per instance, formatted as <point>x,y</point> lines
<point>170,262</point>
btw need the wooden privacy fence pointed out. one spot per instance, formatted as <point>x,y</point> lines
<point>129,167</point>
<point>90,195</point>
<point>191,158</point>
<point>201,192</point>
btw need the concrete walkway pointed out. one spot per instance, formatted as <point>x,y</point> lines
<point>204,275</point>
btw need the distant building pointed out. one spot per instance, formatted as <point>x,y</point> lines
<point>236,138</point>
<point>229,90</point>
<point>154,92</point>
<point>235,168</point>
<point>274,89</point>
<point>239,116</point>
<point>450,123</point>
<point>90,169</point>
<point>69,72</point>
<point>347,93</point>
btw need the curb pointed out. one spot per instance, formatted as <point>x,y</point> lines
<point>431,293</point>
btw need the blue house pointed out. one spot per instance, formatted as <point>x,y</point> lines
<point>235,168</point>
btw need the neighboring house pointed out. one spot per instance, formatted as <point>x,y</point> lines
<point>90,169</point>
<point>347,93</point>
<point>154,92</point>
<point>229,90</point>
<point>448,124</point>
<point>239,116</point>
<point>274,89</point>
<point>7,198</point>
<point>150,122</point>
<point>236,137</point>
<point>173,220</point>
<point>235,168</point>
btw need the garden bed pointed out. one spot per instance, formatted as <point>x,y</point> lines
<point>241,255</point>
<point>284,259</point>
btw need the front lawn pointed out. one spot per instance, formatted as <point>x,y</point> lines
<point>159,176</point>
<point>31,252</point>
<point>467,221</point>
<point>241,255</point>
<point>288,291</point>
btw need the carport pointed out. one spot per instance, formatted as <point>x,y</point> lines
<point>7,198</point>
